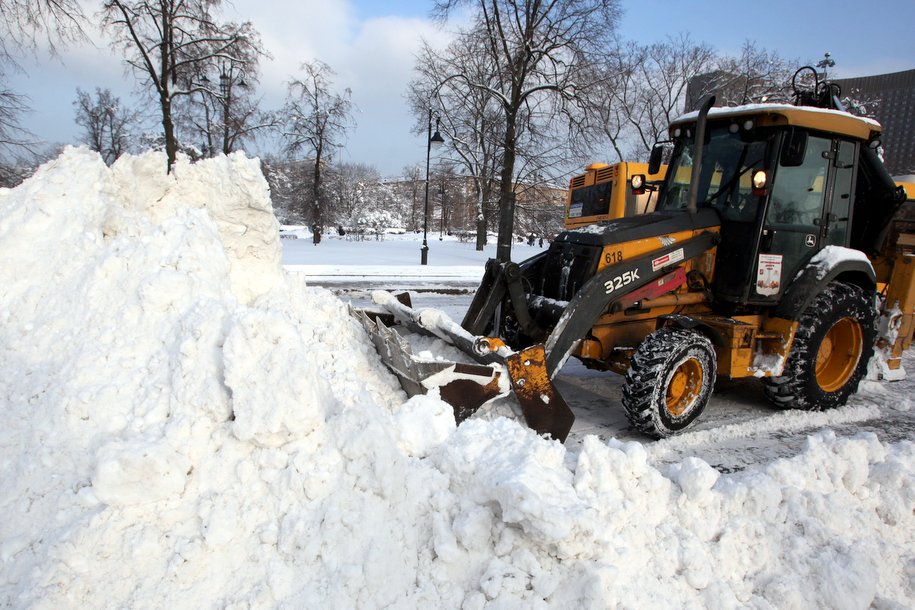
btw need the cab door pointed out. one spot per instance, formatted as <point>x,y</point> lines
<point>795,226</point>
<point>834,227</point>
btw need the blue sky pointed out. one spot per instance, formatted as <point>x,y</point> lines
<point>863,37</point>
<point>371,45</point>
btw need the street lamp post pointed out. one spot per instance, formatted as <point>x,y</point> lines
<point>229,76</point>
<point>431,140</point>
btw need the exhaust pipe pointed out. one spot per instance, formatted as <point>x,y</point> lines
<point>704,107</point>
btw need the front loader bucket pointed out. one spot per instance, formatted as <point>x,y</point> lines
<point>467,387</point>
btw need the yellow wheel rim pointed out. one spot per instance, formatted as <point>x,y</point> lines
<point>683,387</point>
<point>838,354</point>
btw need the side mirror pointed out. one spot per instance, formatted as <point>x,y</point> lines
<point>654,161</point>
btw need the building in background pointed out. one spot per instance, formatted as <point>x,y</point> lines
<point>889,98</point>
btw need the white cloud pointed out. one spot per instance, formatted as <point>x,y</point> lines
<point>378,68</point>
<point>374,58</point>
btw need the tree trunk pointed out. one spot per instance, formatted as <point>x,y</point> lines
<point>171,146</point>
<point>482,196</point>
<point>507,193</point>
<point>317,216</point>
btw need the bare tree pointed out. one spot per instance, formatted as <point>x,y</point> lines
<point>756,75</point>
<point>353,190</point>
<point>14,140</point>
<point>227,117</point>
<point>472,119</point>
<point>666,70</point>
<point>643,88</point>
<point>24,22</point>
<point>316,123</point>
<point>410,187</point>
<point>538,48</point>
<point>23,25</point>
<point>12,136</point>
<point>541,209</point>
<point>106,122</point>
<point>166,42</point>
<point>616,100</point>
<point>286,179</point>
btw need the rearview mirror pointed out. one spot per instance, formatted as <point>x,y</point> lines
<point>654,161</point>
<point>793,148</point>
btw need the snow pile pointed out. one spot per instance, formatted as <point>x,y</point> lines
<point>183,426</point>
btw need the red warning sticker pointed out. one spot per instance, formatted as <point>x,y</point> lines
<point>668,259</point>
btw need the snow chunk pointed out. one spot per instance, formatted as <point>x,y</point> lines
<point>266,355</point>
<point>694,476</point>
<point>830,256</point>
<point>139,472</point>
<point>423,423</point>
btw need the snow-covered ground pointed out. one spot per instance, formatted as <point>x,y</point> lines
<point>394,263</point>
<point>184,425</point>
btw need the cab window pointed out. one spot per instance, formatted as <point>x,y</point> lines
<point>590,200</point>
<point>798,190</point>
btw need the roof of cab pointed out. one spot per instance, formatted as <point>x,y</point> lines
<point>774,115</point>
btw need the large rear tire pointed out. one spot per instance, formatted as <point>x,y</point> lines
<point>832,346</point>
<point>669,382</point>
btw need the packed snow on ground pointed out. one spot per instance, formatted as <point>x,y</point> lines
<point>184,426</point>
<point>397,250</point>
<point>349,262</point>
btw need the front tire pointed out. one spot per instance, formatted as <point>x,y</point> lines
<point>669,382</point>
<point>832,346</point>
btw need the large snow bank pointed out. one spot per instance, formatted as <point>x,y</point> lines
<point>183,426</point>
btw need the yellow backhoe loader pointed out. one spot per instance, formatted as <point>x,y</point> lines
<point>777,243</point>
<point>603,193</point>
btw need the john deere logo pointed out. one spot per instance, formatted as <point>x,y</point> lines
<point>810,240</point>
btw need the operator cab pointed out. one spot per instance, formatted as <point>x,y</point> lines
<point>784,181</point>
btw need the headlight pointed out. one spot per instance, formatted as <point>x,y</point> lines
<point>637,182</point>
<point>760,183</point>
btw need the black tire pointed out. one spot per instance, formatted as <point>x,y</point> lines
<point>669,382</point>
<point>818,376</point>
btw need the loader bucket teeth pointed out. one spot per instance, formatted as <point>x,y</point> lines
<point>543,407</point>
